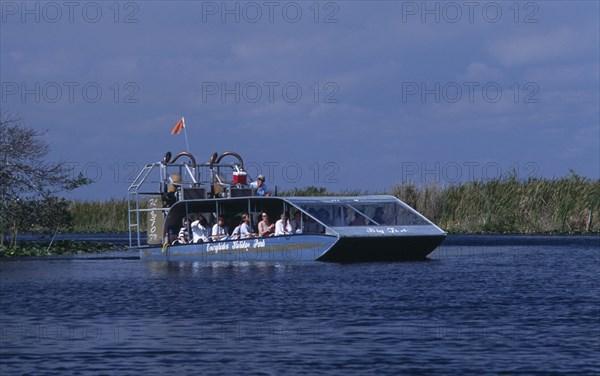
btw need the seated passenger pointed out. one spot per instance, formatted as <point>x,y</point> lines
<point>184,233</point>
<point>237,230</point>
<point>199,230</point>
<point>378,217</point>
<point>283,227</point>
<point>359,220</point>
<point>296,223</point>
<point>265,227</point>
<point>340,215</point>
<point>260,187</point>
<point>310,225</point>
<point>219,230</point>
<point>246,230</point>
<point>323,217</point>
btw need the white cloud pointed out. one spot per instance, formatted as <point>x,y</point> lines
<point>479,72</point>
<point>563,43</point>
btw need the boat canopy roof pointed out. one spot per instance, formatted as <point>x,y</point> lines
<point>300,200</point>
<point>331,211</point>
<point>346,211</point>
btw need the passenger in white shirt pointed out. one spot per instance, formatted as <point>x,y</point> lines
<point>219,230</point>
<point>199,230</point>
<point>283,227</point>
<point>236,233</point>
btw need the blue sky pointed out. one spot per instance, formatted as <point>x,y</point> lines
<point>339,94</point>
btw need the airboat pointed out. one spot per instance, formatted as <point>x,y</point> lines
<point>168,195</point>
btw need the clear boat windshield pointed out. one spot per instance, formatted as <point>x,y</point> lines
<point>361,212</point>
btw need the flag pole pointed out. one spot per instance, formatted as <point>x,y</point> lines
<point>186,138</point>
<point>177,129</point>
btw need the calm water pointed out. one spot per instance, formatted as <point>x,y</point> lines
<point>480,305</point>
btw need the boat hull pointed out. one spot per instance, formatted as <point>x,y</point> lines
<point>280,248</point>
<point>369,249</point>
<point>301,248</point>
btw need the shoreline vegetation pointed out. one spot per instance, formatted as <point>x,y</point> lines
<point>39,248</point>
<point>568,205</point>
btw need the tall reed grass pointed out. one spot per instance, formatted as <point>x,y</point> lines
<point>505,205</point>
<point>99,216</point>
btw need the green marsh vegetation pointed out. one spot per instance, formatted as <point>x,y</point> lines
<point>566,205</point>
<point>100,216</point>
<point>506,205</point>
<point>55,248</point>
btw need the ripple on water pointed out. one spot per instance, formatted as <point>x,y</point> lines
<point>499,305</point>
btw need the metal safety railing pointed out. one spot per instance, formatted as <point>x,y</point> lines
<point>159,185</point>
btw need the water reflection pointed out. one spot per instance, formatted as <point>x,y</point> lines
<point>216,268</point>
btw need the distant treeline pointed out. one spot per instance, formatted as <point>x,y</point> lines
<point>506,205</point>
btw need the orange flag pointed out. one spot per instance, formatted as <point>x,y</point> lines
<point>179,126</point>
